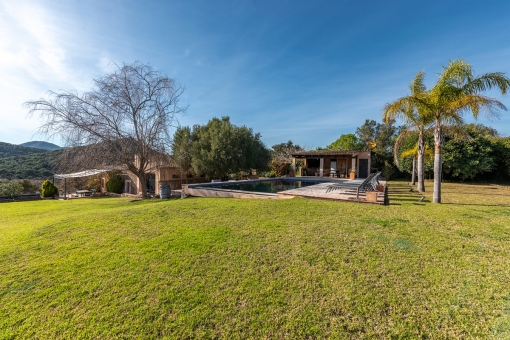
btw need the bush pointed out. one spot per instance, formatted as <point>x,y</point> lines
<point>280,168</point>
<point>28,186</point>
<point>270,174</point>
<point>114,184</point>
<point>388,170</point>
<point>48,189</point>
<point>11,189</point>
<point>94,183</point>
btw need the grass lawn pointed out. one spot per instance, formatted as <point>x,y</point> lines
<point>241,268</point>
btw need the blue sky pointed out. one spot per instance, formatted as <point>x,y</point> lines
<point>307,71</point>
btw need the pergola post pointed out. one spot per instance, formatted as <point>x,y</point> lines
<point>321,170</point>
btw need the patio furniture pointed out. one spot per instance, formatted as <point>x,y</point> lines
<point>83,193</point>
<point>368,185</point>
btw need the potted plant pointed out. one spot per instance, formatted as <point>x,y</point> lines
<point>352,175</point>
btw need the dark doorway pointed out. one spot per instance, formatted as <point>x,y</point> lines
<point>151,183</point>
<point>363,168</point>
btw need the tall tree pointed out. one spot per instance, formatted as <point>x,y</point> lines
<point>467,158</point>
<point>383,135</point>
<point>456,93</point>
<point>220,148</point>
<point>181,149</point>
<point>415,117</point>
<point>124,120</point>
<point>346,142</point>
<point>283,152</point>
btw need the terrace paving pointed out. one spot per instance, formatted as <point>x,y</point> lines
<point>347,192</point>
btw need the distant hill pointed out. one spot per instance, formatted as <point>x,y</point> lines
<point>41,145</point>
<point>9,150</point>
<point>38,165</point>
<point>23,162</point>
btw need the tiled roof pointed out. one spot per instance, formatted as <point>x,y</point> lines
<point>326,153</point>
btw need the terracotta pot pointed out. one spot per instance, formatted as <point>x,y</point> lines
<point>352,175</point>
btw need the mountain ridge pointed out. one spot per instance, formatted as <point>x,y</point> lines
<point>9,150</point>
<point>41,145</point>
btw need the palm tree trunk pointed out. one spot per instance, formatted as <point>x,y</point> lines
<point>421,163</point>
<point>438,162</point>
<point>413,177</point>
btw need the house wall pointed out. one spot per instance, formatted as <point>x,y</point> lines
<point>173,176</point>
<point>166,175</point>
<point>364,155</point>
<point>135,183</point>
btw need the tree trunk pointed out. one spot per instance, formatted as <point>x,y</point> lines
<point>438,162</point>
<point>143,183</point>
<point>421,163</point>
<point>413,175</point>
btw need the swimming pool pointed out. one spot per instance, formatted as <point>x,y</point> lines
<point>269,186</point>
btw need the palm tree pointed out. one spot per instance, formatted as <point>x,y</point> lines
<point>455,94</point>
<point>413,152</point>
<point>416,117</point>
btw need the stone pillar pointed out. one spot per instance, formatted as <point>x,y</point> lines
<point>157,179</point>
<point>354,165</point>
<point>321,170</point>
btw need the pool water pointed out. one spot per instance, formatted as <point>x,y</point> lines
<point>266,186</point>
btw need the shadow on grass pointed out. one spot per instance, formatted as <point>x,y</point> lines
<point>406,198</point>
<point>472,193</point>
<point>406,203</point>
<point>478,204</point>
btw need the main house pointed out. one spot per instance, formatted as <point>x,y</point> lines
<point>169,173</point>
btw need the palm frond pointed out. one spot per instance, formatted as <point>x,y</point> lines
<point>487,82</point>
<point>399,140</point>
<point>410,152</point>
<point>457,73</point>
<point>417,86</point>
<point>477,103</point>
<point>428,154</point>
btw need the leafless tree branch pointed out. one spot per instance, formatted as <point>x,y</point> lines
<point>125,120</point>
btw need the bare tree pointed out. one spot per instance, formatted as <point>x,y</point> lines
<point>283,152</point>
<point>124,120</point>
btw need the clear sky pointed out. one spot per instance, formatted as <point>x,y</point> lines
<point>307,71</point>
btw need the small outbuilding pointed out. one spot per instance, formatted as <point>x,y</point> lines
<point>333,163</point>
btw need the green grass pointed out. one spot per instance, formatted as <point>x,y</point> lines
<point>241,268</point>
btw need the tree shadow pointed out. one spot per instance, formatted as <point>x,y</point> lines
<point>478,204</point>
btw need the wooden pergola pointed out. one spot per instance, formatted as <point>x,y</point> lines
<point>85,173</point>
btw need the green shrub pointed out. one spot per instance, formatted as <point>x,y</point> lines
<point>280,168</point>
<point>94,183</point>
<point>48,189</point>
<point>388,170</point>
<point>28,186</point>
<point>11,189</point>
<point>114,184</point>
